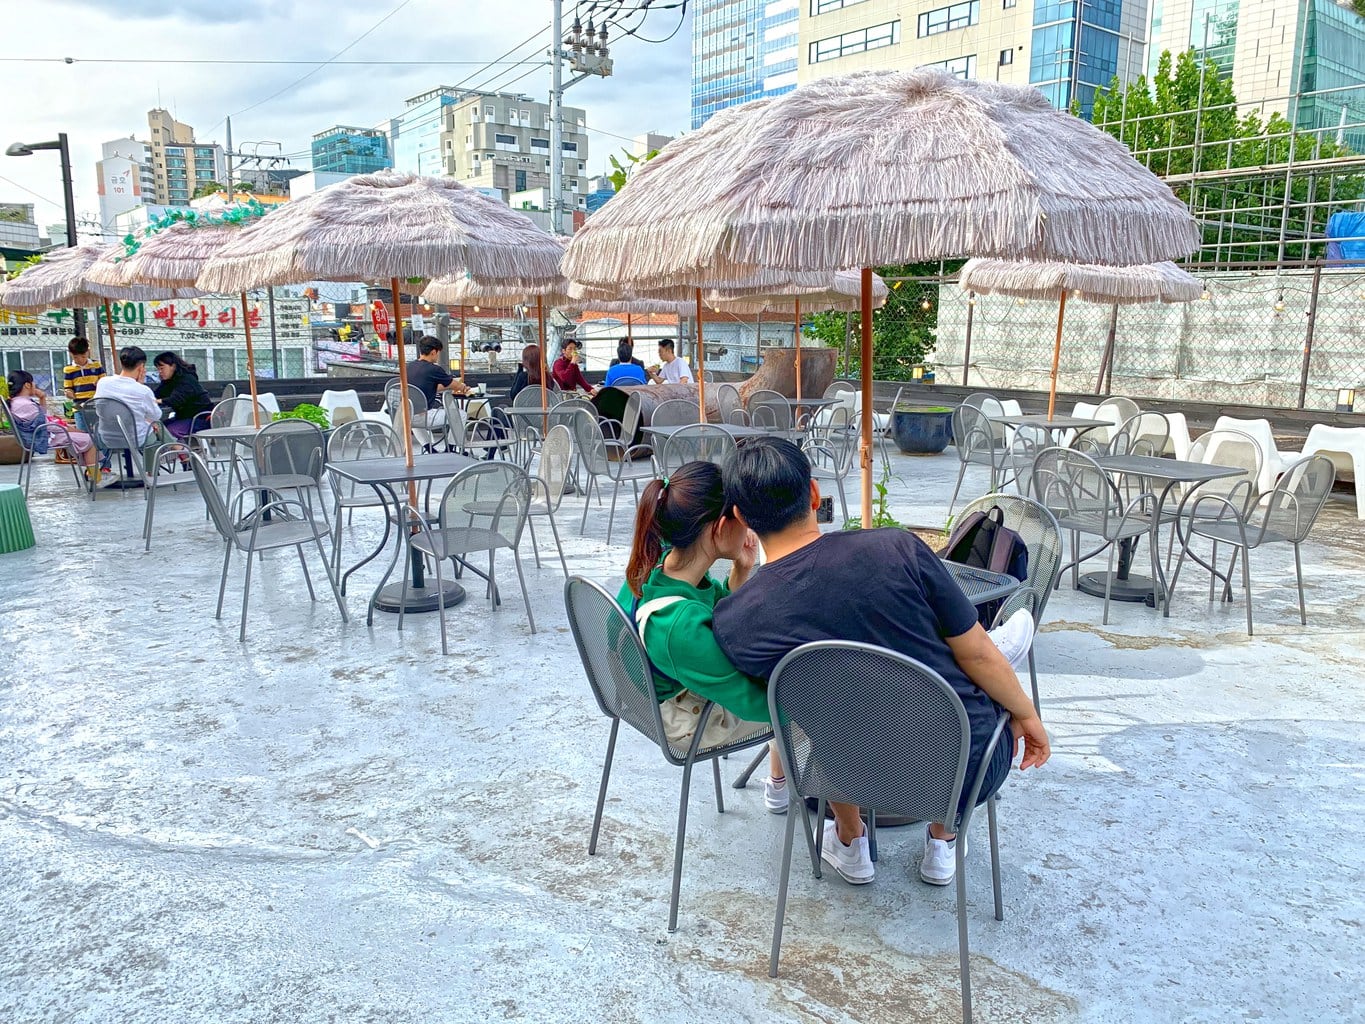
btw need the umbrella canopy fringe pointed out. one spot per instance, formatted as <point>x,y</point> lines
<point>1157,282</point>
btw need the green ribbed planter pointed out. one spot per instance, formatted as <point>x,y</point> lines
<point>16,532</point>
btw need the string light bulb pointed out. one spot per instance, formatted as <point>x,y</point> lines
<point>925,305</point>
<point>1205,295</point>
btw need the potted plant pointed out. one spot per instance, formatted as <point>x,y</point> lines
<point>11,454</point>
<point>313,414</point>
<point>935,537</point>
<point>922,429</point>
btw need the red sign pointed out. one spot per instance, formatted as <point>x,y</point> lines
<point>379,316</point>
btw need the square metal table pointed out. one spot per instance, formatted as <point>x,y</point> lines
<point>981,585</point>
<point>1056,425</point>
<point>1124,586</point>
<point>733,429</point>
<point>386,475</point>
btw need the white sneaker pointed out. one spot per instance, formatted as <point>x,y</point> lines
<point>938,866</point>
<point>853,862</point>
<point>1014,638</point>
<point>775,796</point>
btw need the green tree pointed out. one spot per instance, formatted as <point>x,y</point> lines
<point>1184,122</point>
<point>621,172</point>
<point>208,188</point>
<point>903,330</point>
<point>1359,7</point>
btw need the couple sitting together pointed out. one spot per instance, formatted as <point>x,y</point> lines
<point>720,641</point>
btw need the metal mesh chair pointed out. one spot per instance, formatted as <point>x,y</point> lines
<point>729,403</point>
<point>618,671</point>
<point>863,725</point>
<point>288,457</point>
<point>475,436</point>
<point>1041,534</point>
<point>1284,516</point>
<point>770,410</point>
<point>498,492</point>
<point>1074,487</point>
<point>831,450</point>
<point>696,442</point>
<point>1118,411</point>
<point>229,391</point>
<point>603,458</point>
<point>423,433</point>
<point>117,426</point>
<point>44,437</point>
<point>360,439</point>
<point>291,525</point>
<point>1027,442</point>
<point>976,444</point>
<point>676,412</point>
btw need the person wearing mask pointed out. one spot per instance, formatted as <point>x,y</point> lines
<point>28,406</point>
<point>893,592</point>
<point>671,369</point>
<point>181,393</point>
<point>625,369</point>
<point>566,372</point>
<point>127,386</point>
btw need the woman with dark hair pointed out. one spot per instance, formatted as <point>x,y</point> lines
<point>681,530</point>
<point>28,406</point>
<point>566,372</point>
<point>181,393</point>
<point>528,373</point>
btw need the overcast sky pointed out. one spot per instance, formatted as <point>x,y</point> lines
<point>94,102</point>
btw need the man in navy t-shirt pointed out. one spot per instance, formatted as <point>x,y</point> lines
<point>882,587</point>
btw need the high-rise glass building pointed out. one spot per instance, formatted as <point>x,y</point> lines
<point>1078,46</point>
<point>742,50</point>
<point>345,150</point>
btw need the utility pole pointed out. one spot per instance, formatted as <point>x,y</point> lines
<point>587,55</point>
<point>227,154</point>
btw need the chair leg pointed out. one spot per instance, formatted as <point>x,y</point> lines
<point>843,499</point>
<point>783,878</point>
<point>306,578</point>
<point>535,548</point>
<point>1109,581</point>
<point>678,846</point>
<point>405,553</point>
<point>1298,574</point>
<point>150,514</point>
<point>441,606</point>
<point>872,833</point>
<point>246,597</point>
<point>962,949</point>
<point>1246,584</point>
<point>554,530</point>
<point>1213,578</point>
<point>745,775</point>
<point>1033,681</point>
<point>995,859</point>
<point>951,501</point>
<point>331,578</point>
<point>222,582</point>
<point>611,516</point>
<point>602,789</point>
<point>587,496</point>
<point>525,597</point>
<point>819,837</point>
<point>715,774</point>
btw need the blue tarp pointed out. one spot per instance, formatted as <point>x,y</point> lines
<point>1346,237</point>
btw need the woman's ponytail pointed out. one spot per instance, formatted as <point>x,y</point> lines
<point>647,546</point>
<point>674,511</point>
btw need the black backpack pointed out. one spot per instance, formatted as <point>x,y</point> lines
<point>982,540</point>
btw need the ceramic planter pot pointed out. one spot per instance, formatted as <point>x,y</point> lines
<point>922,430</point>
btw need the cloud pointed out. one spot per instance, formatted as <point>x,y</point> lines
<point>96,102</point>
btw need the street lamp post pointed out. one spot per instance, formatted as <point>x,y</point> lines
<point>68,196</point>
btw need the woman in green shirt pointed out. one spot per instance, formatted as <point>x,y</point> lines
<point>680,532</point>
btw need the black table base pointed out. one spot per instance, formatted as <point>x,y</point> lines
<point>1135,589</point>
<point>425,598</point>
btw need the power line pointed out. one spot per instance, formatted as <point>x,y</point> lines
<point>247,61</point>
<point>25,188</point>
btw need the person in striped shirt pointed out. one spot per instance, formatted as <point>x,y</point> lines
<point>78,383</point>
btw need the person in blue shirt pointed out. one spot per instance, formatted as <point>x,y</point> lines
<point>625,368</point>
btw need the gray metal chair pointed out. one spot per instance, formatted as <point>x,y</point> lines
<point>618,671</point>
<point>603,458</point>
<point>1284,516</point>
<point>43,438</point>
<point>229,391</point>
<point>457,534</point>
<point>730,405</point>
<point>1116,409</point>
<point>770,410</point>
<point>864,725</point>
<point>696,442</point>
<point>547,489</point>
<point>423,432</point>
<point>1221,447</point>
<point>117,426</point>
<point>1027,442</point>
<point>676,412</point>
<point>1041,534</point>
<point>1147,433</point>
<point>289,457</point>
<point>351,442</point>
<point>1074,487</point>
<point>291,525</point>
<point>976,442</point>
<point>481,436</point>
<point>831,450</point>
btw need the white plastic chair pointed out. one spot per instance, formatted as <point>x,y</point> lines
<point>334,400</point>
<point>1275,461</point>
<point>1341,444</point>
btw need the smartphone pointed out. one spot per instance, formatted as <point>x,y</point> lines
<point>825,513</point>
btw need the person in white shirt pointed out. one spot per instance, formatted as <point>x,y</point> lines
<point>671,369</point>
<point>128,387</point>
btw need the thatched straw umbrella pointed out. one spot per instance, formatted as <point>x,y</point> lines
<point>174,256</point>
<point>64,278</point>
<point>876,168</point>
<point>1117,286</point>
<point>388,226</point>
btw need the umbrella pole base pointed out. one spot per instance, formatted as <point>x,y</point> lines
<point>419,599</point>
<point>1134,589</point>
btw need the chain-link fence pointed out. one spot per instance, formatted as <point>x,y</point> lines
<point>1286,337</point>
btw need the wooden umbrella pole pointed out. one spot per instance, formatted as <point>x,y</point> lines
<point>865,446</point>
<point>630,330</point>
<point>113,343</point>
<point>544,369</point>
<point>798,354</point>
<point>701,362</point>
<point>250,365</point>
<point>464,329</point>
<point>1056,358</point>
<point>404,404</point>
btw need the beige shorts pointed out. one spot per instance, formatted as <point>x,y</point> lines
<point>680,714</point>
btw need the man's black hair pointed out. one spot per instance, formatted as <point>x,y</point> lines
<point>131,357</point>
<point>666,343</point>
<point>430,344</point>
<point>78,346</point>
<point>625,351</point>
<point>768,480</point>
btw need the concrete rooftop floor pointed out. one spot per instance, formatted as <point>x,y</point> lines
<point>335,823</point>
